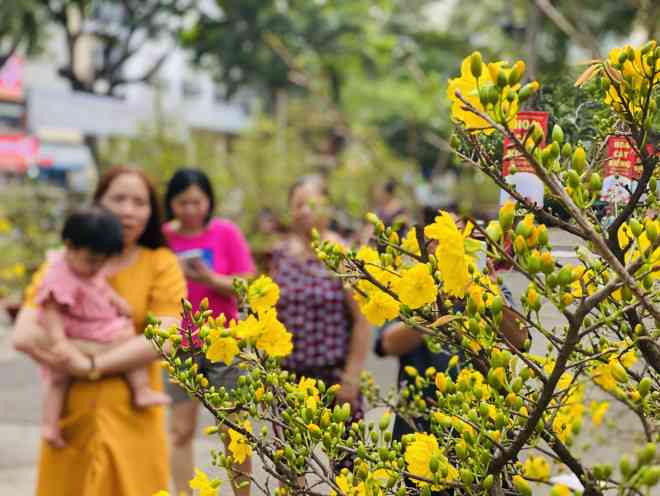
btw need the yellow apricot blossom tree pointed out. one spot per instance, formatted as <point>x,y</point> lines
<point>501,419</point>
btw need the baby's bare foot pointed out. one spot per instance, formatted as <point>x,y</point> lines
<point>147,397</point>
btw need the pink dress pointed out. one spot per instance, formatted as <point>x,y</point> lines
<point>225,250</point>
<point>87,311</point>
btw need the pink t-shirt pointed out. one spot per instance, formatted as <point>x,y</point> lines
<point>87,311</point>
<point>225,250</point>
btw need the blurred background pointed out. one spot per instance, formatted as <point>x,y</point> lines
<point>258,92</point>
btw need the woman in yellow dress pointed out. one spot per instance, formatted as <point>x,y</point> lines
<point>113,448</point>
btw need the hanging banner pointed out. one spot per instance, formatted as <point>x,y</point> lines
<point>18,152</point>
<point>525,179</point>
<point>11,79</point>
<point>621,171</point>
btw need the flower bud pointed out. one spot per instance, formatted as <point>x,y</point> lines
<point>494,231</point>
<point>543,235</point>
<point>506,214</point>
<point>519,245</point>
<point>516,73</point>
<point>595,183</point>
<point>579,159</point>
<point>651,476</point>
<point>644,386</point>
<point>537,133</point>
<point>528,90</point>
<point>558,134</point>
<point>522,485</point>
<point>636,228</point>
<point>625,466</point>
<point>618,372</point>
<point>502,80</point>
<point>651,230</point>
<point>476,64</point>
<point>572,179</point>
<point>565,276</point>
<point>646,454</point>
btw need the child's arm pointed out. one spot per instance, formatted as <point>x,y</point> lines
<point>52,321</point>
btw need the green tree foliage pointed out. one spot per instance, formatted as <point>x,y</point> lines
<point>21,26</point>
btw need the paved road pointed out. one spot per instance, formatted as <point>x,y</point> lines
<point>20,399</point>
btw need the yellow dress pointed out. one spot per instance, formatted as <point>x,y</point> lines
<point>112,448</point>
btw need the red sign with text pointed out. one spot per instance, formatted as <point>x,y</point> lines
<point>11,79</point>
<point>524,121</point>
<point>622,160</point>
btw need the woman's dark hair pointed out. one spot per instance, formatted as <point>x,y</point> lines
<point>95,229</point>
<point>182,180</point>
<point>152,236</point>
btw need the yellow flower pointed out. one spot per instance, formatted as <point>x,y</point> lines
<point>162,493</point>
<point>416,287</point>
<point>418,457</point>
<point>450,254</point>
<point>598,411</point>
<point>202,483</point>
<point>635,71</point>
<point>410,243</point>
<point>469,86</point>
<point>441,381</point>
<point>275,339</point>
<point>602,376</point>
<point>259,393</point>
<point>248,328</point>
<point>263,294</point>
<point>307,386</point>
<point>628,359</point>
<point>238,444</point>
<point>560,490</point>
<point>5,225</point>
<point>223,349</point>
<point>374,267</point>
<point>368,255</point>
<point>345,484</point>
<point>537,467</point>
<point>380,307</point>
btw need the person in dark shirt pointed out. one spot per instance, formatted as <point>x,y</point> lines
<point>400,340</point>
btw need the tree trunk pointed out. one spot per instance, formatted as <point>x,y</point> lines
<point>92,143</point>
<point>531,39</point>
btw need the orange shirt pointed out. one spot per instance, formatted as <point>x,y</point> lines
<point>113,448</point>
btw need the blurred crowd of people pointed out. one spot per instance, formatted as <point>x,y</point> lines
<point>103,424</point>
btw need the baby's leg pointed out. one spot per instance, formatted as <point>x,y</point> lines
<point>143,395</point>
<point>56,386</point>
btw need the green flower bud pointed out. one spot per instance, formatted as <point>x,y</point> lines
<point>644,387</point>
<point>528,90</point>
<point>572,179</point>
<point>476,64</point>
<point>646,454</point>
<point>595,183</point>
<point>502,80</point>
<point>651,476</point>
<point>636,228</point>
<point>565,276</point>
<point>557,134</point>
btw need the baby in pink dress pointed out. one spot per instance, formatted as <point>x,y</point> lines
<point>76,303</point>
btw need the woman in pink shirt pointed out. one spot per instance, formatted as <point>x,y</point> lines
<point>212,253</point>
